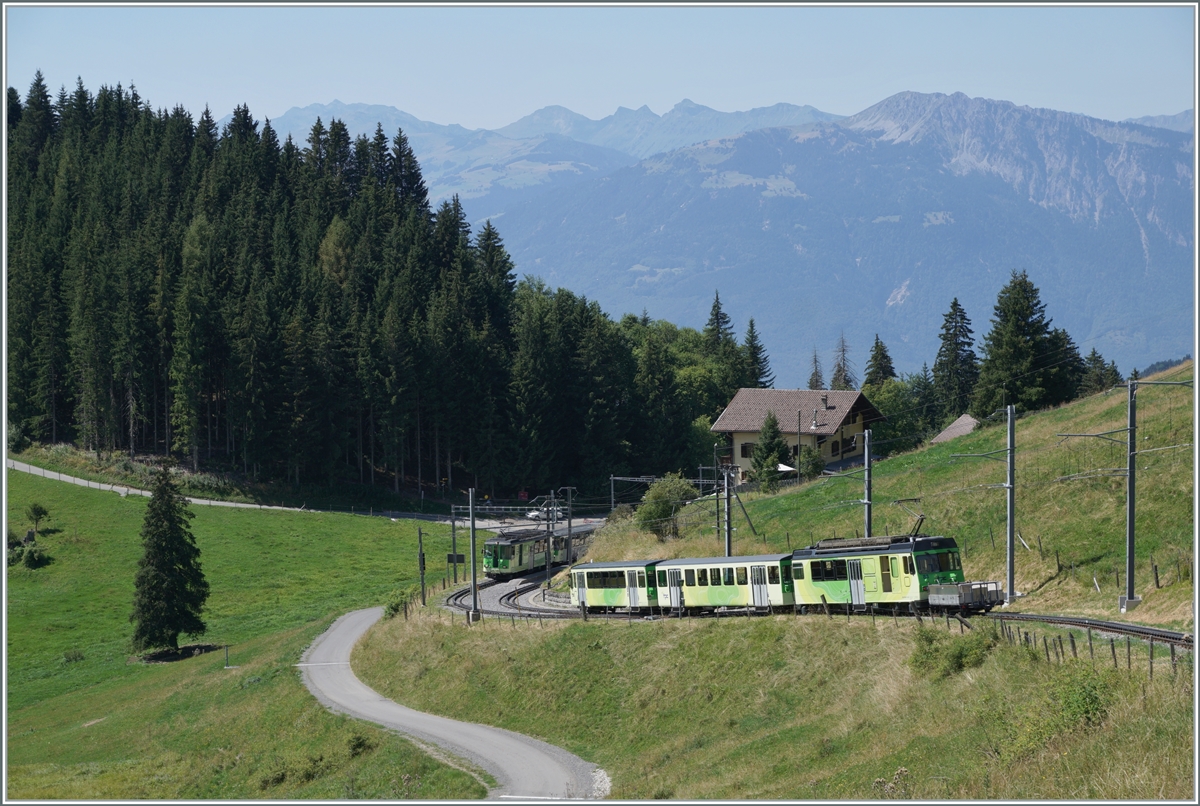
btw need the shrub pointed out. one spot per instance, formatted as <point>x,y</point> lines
<point>810,464</point>
<point>72,656</point>
<point>623,512</point>
<point>17,441</point>
<point>661,504</point>
<point>941,655</point>
<point>15,554</point>
<point>34,557</point>
<point>399,598</point>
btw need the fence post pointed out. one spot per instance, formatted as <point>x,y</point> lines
<point>1112,644</point>
<point>1091,651</point>
<point>1074,654</point>
<point>1172,660</point>
<point>1128,655</point>
<point>1046,647</point>
<point>1156,577</point>
<point>1151,658</point>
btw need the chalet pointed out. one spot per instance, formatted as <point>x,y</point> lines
<point>832,422</point>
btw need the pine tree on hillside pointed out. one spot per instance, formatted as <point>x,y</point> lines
<point>956,368</point>
<point>1020,359</point>
<point>758,366</point>
<point>719,330</point>
<point>842,378</point>
<point>770,451</point>
<point>169,588</point>
<point>816,380</point>
<point>879,365</point>
<point>1098,376</point>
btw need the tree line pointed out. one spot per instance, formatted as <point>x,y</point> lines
<point>1025,362</point>
<point>301,312</point>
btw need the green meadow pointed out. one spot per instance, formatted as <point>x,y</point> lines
<point>87,720</point>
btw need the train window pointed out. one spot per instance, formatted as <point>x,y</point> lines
<point>662,579</point>
<point>943,560</point>
<point>591,581</point>
<point>818,571</point>
<point>689,577</point>
<point>772,575</point>
<point>895,567</point>
<point>702,577</point>
<point>741,575</point>
<point>641,579</point>
<point>715,575</point>
<point>728,575</point>
<point>798,571</point>
<point>839,569</point>
<point>885,574</point>
<point>908,565</point>
<point>955,561</point>
<point>787,573</point>
<point>570,581</point>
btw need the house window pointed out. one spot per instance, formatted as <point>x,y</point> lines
<point>835,448</point>
<point>747,450</point>
<point>850,445</point>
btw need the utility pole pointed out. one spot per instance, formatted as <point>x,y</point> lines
<point>1010,486</point>
<point>570,531</point>
<point>473,616</point>
<point>1129,600</point>
<point>612,494</point>
<point>550,523</point>
<point>866,482</point>
<point>421,562</point>
<point>728,520</point>
<point>454,542</point>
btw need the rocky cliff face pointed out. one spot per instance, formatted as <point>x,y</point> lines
<point>1085,167</point>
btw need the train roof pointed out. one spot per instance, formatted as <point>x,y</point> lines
<point>512,538</point>
<point>876,545</point>
<point>757,558</point>
<point>608,566</point>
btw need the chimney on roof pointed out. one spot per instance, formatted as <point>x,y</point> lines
<point>825,401</point>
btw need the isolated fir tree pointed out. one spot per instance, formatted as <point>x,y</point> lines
<point>842,377</point>
<point>956,368</point>
<point>758,366</point>
<point>1098,376</point>
<point>770,451</point>
<point>879,365</point>
<point>816,380</point>
<point>1020,359</point>
<point>169,587</point>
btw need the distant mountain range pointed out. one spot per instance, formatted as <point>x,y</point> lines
<point>816,225</point>
<point>1185,121</point>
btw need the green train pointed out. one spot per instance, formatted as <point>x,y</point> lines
<point>899,573</point>
<point>521,552</point>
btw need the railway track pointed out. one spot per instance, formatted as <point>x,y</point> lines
<point>509,606</point>
<point>1181,639</point>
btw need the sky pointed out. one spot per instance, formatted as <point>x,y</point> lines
<point>485,67</point>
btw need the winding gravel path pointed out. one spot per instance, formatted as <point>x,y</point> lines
<point>523,767</point>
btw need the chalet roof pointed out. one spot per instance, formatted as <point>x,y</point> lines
<point>749,408</point>
<point>963,425</point>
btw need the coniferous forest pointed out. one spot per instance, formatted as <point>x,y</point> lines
<point>302,313</point>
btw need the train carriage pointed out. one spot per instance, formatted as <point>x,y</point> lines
<point>762,581</point>
<point>893,572</point>
<point>522,552</point>
<point>628,585</point>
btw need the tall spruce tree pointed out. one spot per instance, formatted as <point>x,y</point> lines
<point>1021,361</point>
<point>769,452</point>
<point>758,366</point>
<point>956,368</point>
<point>879,365</point>
<point>816,380</point>
<point>842,378</point>
<point>169,588</point>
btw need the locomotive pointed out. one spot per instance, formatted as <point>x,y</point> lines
<point>899,573</point>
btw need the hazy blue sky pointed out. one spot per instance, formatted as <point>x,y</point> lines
<point>486,67</point>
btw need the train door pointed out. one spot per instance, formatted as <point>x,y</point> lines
<point>581,587</point>
<point>857,594</point>
<point>758,586</point>
<point>675,587</point>
<point>521,556</point>
<point>631,589</point>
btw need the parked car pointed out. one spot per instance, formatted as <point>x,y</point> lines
<point>545,514</point>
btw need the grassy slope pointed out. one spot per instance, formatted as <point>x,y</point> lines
<point>276,579</point>
<point>1084,521</point>
<point>786,707</point>
<point>810,708</point>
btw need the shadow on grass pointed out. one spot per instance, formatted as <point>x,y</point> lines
<point>169,655</point>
